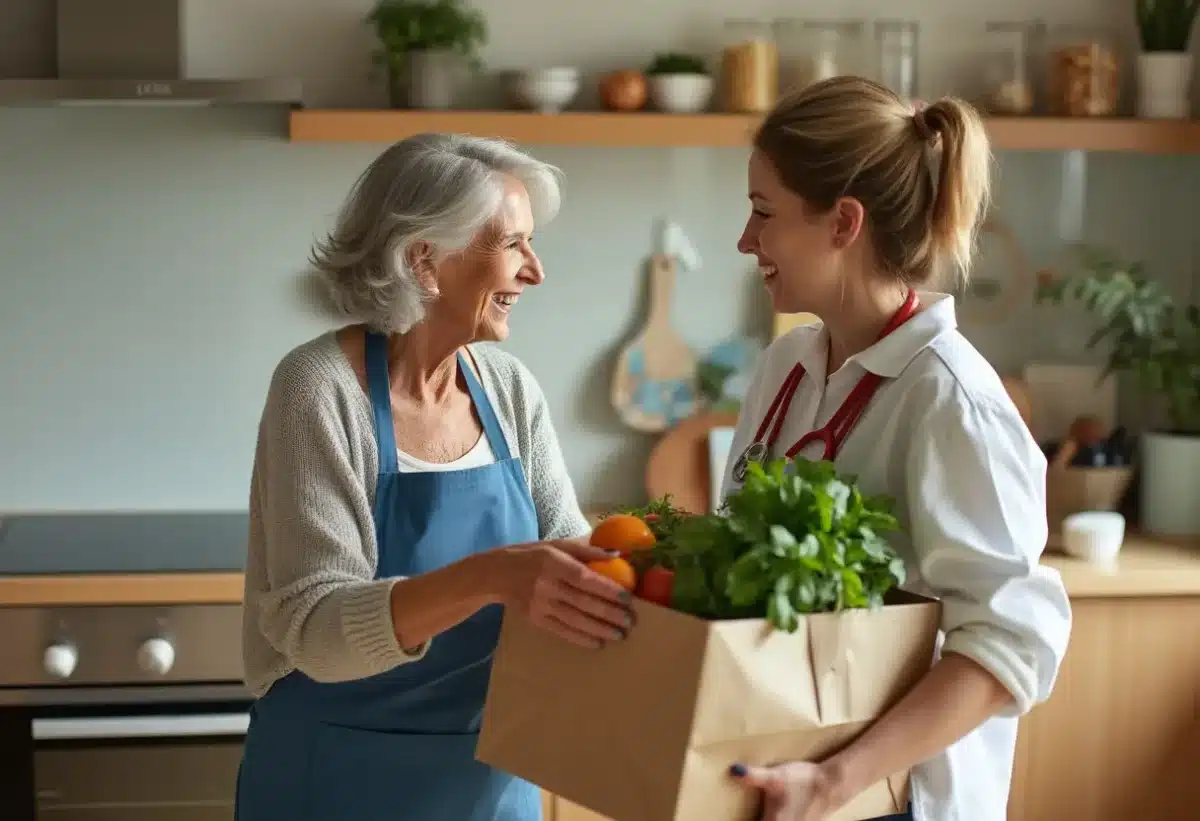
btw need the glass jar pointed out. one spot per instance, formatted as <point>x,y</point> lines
<point>896,60</point>
<point>1084,77</point>
<point>1009,75</point>
<point>749,67</point>
<point>811,51</point>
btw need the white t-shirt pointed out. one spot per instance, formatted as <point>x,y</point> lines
<point>479,455</point>
<point>942,437</point>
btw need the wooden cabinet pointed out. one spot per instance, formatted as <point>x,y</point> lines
<point>1120,736</point>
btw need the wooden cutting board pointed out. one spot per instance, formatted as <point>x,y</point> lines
<point>679,463</point>
<point>654,385</point>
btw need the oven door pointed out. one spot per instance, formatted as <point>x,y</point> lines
<point>166,763</point>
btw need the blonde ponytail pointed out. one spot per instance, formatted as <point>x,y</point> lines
<point>964,180</point>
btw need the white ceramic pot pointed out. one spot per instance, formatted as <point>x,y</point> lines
<point>1170,487</point>
<point>548,90</point>
<point>434,78</point>
<point>1164,83</point>
<point>681,93</point>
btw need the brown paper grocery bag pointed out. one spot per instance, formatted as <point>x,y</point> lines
<point>645,729</point>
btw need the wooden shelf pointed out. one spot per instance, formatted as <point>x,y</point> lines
<point>649,130</point>
<point>595,129</point>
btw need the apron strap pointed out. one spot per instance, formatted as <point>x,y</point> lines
<point>483,406</point>
<point>380,390</point>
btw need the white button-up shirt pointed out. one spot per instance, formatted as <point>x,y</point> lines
<point>942,437</point>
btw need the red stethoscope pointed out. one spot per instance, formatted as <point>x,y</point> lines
<point>843,420</point>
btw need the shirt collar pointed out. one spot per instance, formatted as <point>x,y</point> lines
<point>890,356</point>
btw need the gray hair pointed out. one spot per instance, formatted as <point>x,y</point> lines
<point>437,188</point>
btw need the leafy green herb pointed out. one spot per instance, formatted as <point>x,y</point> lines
<point>404,26</point>
<point>796,538</point>
<point>1146,331</point>
<point>1166,25</point>
<point>675,63</point>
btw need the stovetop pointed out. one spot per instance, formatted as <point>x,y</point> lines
<point>122,543</point>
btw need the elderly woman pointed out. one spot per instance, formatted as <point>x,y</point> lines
<point>407,487</point>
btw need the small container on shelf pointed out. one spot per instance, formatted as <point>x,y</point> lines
<point>1009,89</point>
<point>811,51</point>
<point>749,67</point>
<point>1084,77</point>
<point>896,42</point>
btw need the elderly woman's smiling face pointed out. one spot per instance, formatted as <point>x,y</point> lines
<point>478,286</point>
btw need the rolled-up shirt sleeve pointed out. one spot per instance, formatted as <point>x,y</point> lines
<point>976,489</point>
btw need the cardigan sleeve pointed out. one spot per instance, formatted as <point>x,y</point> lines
<point>312,552</point>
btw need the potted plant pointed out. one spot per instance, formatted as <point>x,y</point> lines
<point>423,47</point>
<point>1164,69</point>
<point>679,83</point>
<point>1158,341</point>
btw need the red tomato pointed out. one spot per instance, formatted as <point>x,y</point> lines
<point>656,585</point>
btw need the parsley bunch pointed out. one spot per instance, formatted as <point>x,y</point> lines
<point>796,538</point>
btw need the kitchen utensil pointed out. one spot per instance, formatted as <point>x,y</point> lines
<point>1094,536</point>
<point>655,381</point>
<point>548,90</point>
<point>994,300</point>
<point>682,463</point>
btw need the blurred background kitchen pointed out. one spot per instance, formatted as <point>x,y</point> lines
<point>144,245</point>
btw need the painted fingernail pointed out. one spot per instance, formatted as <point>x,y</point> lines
<point>626,597</point>
<point>737,770</point>
<point>630,619</point>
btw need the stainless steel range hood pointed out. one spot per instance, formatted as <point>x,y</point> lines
<point>131,52</point>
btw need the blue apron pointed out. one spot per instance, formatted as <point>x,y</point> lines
<point>401,745</point>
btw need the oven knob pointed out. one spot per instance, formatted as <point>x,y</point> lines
<point>60,660</point>
<point>156,656</point>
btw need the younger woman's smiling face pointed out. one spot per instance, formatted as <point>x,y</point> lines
<point>799,250</point>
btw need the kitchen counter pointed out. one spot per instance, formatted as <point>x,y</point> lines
<point>118,589</point>
<point>1148,568</point>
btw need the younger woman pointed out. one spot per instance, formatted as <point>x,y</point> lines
<point>856,202</point>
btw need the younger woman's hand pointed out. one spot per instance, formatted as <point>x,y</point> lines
<point>795,791</point>
<point>550,583</point>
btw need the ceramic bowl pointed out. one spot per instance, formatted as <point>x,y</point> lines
<point>1094,536</point>
<point>548,90</point>
<point>681,93</point>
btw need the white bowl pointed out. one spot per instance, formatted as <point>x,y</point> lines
<point>1094,536</point>
<point>548,90</point>
<point>681,93</point>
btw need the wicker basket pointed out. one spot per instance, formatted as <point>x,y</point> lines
<point>1076,489</point>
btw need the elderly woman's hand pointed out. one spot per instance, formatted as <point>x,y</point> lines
<point>550,583</point>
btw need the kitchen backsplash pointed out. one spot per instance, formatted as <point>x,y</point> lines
<point>152,261</point>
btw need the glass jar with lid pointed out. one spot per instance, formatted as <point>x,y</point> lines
<point>1009,72</point>
<point>749,67</point>
<point>815,50</point>
<point>896,42</point>
<point>1084,74</point>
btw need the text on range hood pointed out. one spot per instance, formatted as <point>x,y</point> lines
<point>124,52</point>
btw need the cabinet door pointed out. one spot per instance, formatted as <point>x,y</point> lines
<point>566,811</point>
<point>1119,738</point>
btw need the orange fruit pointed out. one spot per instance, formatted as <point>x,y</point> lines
<point>619,570</point>
<point>623,533</point>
